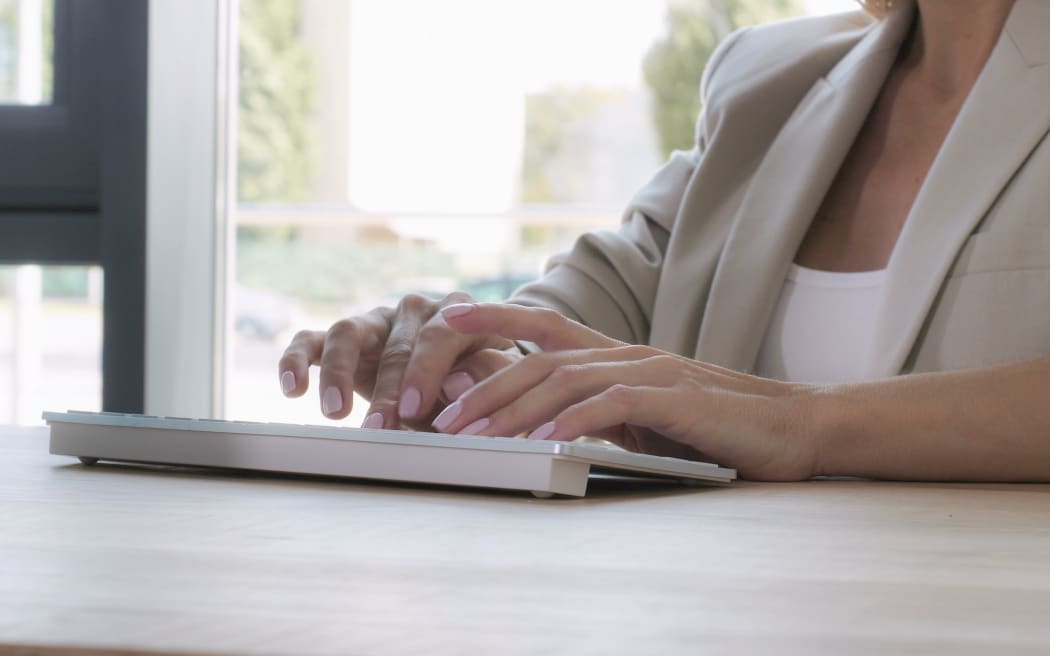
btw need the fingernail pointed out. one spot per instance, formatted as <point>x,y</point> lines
<point>457,310</point>
<point>456,384</point>
<point>409,405</point>
<point>543,432</point>
<point>331,401</point>
<point>476,427</point>
<point>288,382</point>
<point>447,416</point>
<point>374,420</point>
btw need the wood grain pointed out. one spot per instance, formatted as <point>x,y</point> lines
<point>162,560</point>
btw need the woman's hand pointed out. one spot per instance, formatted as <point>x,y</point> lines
<point>638,397</point>
<point>403,359</point>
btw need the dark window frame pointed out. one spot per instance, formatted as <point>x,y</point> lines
<point>73,176</point>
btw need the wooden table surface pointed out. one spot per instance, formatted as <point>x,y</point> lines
<point>161,560</point>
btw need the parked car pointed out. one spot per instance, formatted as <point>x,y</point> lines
<point>264,315</point>
<point>487,290</point>
<point>491,290</point>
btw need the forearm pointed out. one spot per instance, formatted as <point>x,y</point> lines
<point>990,424</point>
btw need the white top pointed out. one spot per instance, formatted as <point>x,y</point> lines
<point>822,327</point>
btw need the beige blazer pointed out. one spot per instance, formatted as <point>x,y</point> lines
<point>698,263</point>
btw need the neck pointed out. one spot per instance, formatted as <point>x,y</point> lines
<point>953,39</point>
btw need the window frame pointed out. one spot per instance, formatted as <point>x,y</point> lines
<point>73,171</point>
<point>51,150</point>
<point>190,178</point>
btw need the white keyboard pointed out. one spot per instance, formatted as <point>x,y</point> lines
<point>541,467</point>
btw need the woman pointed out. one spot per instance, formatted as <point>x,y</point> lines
<point>866,198</point>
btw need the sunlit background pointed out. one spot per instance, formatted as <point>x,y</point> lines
<point>389,146</point>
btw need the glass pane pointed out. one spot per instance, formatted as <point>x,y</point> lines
<point>26,45</point>
<point>389,146</point>
<point>50,341</point>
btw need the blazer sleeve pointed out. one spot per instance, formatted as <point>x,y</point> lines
<point>608,280</point>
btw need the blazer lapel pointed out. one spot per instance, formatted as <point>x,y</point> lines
<point>1006,115</point>
<point>786,192</point>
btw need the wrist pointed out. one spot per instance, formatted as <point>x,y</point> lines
<point>833,417</point>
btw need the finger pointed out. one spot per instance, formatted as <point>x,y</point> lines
<point>436,349</point>
<point>294,367</point>
<point>387,395</point>
<point>617,405</point>
<point>569,385</point>
<point>509,387</point>
<point>475,367</point>
<point>553,331</point>
<point>550,330</point>
<point>695,426</point>
<point>478,366</point>
<point>471,409</point>
<point>636,418</point>
<point>344,343</point>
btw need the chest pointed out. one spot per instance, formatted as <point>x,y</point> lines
<point>864,210</point>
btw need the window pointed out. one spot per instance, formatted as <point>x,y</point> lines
<point>50,340</point>
<point>363,149</point>
<point>457,155</point>
<point>72,201</point>
<point>393,146</point>
<point>26,40</point>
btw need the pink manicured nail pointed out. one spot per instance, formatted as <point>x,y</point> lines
<point>288,382</point>
<point>457,384</point>
<point>374,420</point>
<point>543,432</point>
<point>447,416</point>
<point>457,310</point>
<point>409,405</point>
<point>331,401</point>
<point>476,427</point>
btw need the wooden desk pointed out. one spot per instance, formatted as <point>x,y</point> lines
<point>182,561</point>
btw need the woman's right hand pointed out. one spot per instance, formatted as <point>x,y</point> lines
<point>405,360</point>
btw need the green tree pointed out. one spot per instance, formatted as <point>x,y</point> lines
<point>337,268</point>
<point>673,66</point>
<point>549,116</point>
<point>276,146</point>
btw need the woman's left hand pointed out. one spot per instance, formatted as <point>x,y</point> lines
<point>638,397</point>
